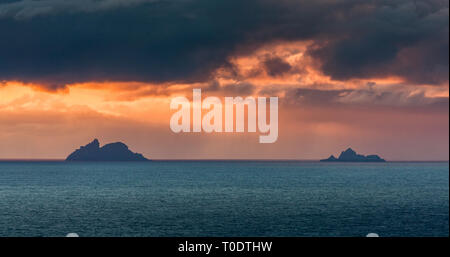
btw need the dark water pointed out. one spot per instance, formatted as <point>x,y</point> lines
<point>224,199</point>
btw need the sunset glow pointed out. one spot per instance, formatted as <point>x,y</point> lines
<point>332,95</point>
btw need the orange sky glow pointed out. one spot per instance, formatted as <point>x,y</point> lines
<point>39,123</point>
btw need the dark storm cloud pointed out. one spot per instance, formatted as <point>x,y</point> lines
<point>275,66</point>
<point>404,38</point>
<point>57,42</point>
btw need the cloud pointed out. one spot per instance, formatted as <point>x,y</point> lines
<point>27,9</point>
<point>56,42</point>
<point>392,96</point>
<point>400,38</point>
<point>389,98</point>
<point>229,89</point>
<point>276,66</point>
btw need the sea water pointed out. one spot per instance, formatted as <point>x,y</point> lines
<point>224,198</point>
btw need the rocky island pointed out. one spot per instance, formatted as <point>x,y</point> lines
<point>110,152</point>
<point>351,156</point>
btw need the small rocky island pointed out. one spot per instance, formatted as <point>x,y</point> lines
<point>110,152</point>
<point>351,156</point>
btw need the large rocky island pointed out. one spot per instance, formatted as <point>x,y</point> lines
<point>110,152</point>
<point>351,156</point>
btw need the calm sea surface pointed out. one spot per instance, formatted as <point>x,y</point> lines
<point>224,198</point>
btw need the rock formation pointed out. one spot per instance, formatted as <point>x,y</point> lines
<point>110,152</point>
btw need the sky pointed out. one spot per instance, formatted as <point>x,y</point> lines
<point>371,75</point>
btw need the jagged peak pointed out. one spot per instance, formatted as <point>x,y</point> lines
<point>349,150</point>
<point>95,144</point>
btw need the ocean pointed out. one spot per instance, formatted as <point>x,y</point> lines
<point>224,198</point>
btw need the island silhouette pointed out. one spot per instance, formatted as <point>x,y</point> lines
<point>350,155</point>
<point>110,152</point>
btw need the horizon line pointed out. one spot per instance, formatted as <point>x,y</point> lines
<point>193,159</point>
